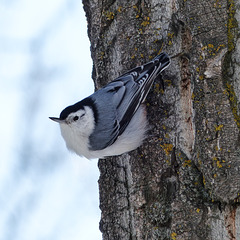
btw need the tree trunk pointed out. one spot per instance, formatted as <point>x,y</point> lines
<point>183,182</point>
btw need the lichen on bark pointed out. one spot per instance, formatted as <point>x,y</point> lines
<point>184,181</point>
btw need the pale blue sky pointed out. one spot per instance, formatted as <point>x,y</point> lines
<point>45,191</point>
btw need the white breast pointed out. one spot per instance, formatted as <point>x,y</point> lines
<point>76,137</point>
<point>131,139</point>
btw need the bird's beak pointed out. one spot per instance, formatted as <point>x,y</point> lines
<point>57,120</point>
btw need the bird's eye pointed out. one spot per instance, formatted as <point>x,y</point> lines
<point>75,118</point>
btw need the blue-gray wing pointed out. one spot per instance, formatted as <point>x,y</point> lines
<point>118,101</point>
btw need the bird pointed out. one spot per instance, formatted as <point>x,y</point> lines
<point>113,120</point>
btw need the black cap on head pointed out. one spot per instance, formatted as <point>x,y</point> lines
<point>77,106</point>
<point>70,109</point>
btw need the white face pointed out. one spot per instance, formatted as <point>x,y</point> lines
<point>81,122</point>
<point>76,117</point>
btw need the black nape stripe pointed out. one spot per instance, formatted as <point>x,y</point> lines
<point>80,105</point>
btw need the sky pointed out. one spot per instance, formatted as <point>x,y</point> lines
<point>46,192</point>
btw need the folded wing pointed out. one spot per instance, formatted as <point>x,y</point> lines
<point>118,101</point>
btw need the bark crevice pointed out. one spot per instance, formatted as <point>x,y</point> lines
<point>184,181</point>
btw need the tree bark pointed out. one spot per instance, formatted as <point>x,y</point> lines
<point>184,181</point>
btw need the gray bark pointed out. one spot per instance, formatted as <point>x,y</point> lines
<point>184,181</point>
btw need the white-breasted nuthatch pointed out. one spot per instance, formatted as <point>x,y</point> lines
<point>112,120</point>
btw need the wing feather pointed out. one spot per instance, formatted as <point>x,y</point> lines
<point>118,101</point>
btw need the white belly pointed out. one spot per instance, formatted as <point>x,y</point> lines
<point>131,138</point>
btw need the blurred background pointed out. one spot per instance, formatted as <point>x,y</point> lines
<point>46,192</point>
